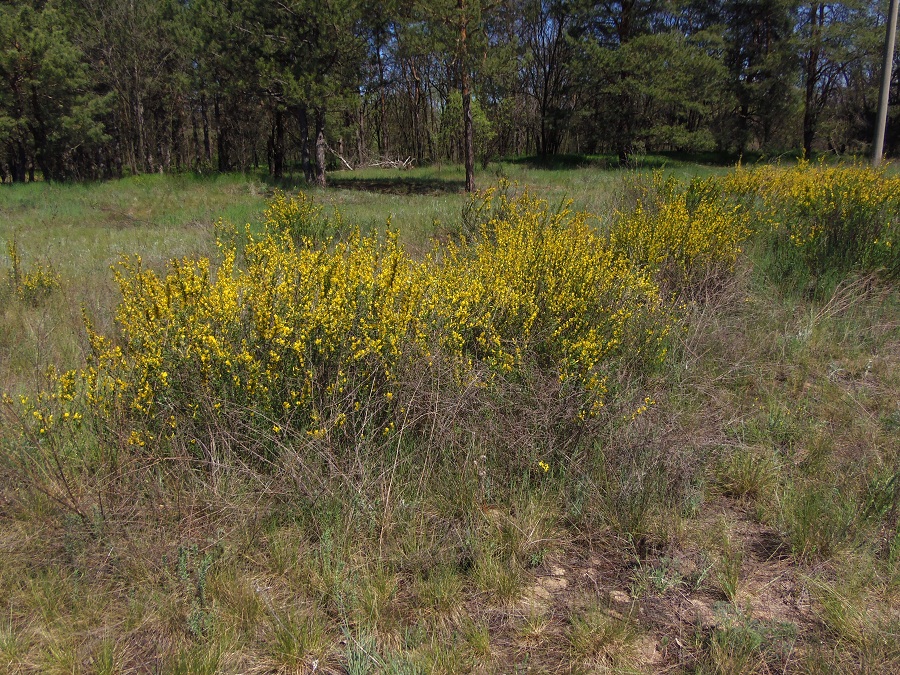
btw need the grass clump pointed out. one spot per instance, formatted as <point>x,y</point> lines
<point>599,638</point>
<point>745,645</point>
<point>817,520</point>
<point>299,640</point>
<point>728,570</point>
<point>747,473</point>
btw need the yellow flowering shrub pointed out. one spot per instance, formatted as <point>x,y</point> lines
<point>544,283</point>
<point>684,234</point>
<point>30,285</point>
<point>301,217</point>
<point>314,338</point>
<point>297,328</point>
<point>829,218</point>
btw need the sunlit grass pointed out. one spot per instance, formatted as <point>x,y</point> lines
<point>760,483</point>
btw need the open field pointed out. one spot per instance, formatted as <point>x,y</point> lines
<point>699,473</point>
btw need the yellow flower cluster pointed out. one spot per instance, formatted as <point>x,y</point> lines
<point>300,217</point>
<point>543,283</point>
<point>306,337</point>
<point>684,235</point>
<point>834,217</point>
<point>61,405</point>
<point>298,325</point>
<point>30,285</point>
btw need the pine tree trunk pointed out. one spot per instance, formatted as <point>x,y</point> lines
<point>812,64</point>
<point>360,135</point>
<point>175,144</point>
<point>17,162</point>
<point>278,145</point>
<point>382,124</point>
<point>139,135</point>
<point>468,130</point>
<point>303,121</point>
<point>195,135</point>
<point>207,146</point>
<point>221,137</point>
<point>320,147</point>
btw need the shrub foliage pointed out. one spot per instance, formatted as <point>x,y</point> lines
<point>313,337</point>
<point>298,333</point>
<point>825,219</point>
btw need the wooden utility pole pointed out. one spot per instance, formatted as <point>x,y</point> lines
<point>881,123</point>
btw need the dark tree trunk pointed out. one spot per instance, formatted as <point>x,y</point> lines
<point>468,129</point>
<point>18,160</point>
<point>221,137</point>
<point>207,146</point>
<point>40,157</point>
<point>625,20</point>
<point>117,158</point>
<point>278,145</point>
<point>810,122</point>
<point>141,163</point>
<point>320,147</point>
<point>303,121</point>
<point>196,138</point>
<point>415,109</point>
<point>177,132</point>
<point>360,135</point>
<point>810,108</point>
<point>382,125</point>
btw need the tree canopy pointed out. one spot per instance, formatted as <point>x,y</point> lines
<point>99,88</point>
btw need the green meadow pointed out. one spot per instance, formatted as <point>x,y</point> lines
<point>706,480</point>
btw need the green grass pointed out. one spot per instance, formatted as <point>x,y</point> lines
<point>423,202</point>
<point>748,522</point>
<point>85,229</point>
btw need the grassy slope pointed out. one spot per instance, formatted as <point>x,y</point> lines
<point>780,419</point>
